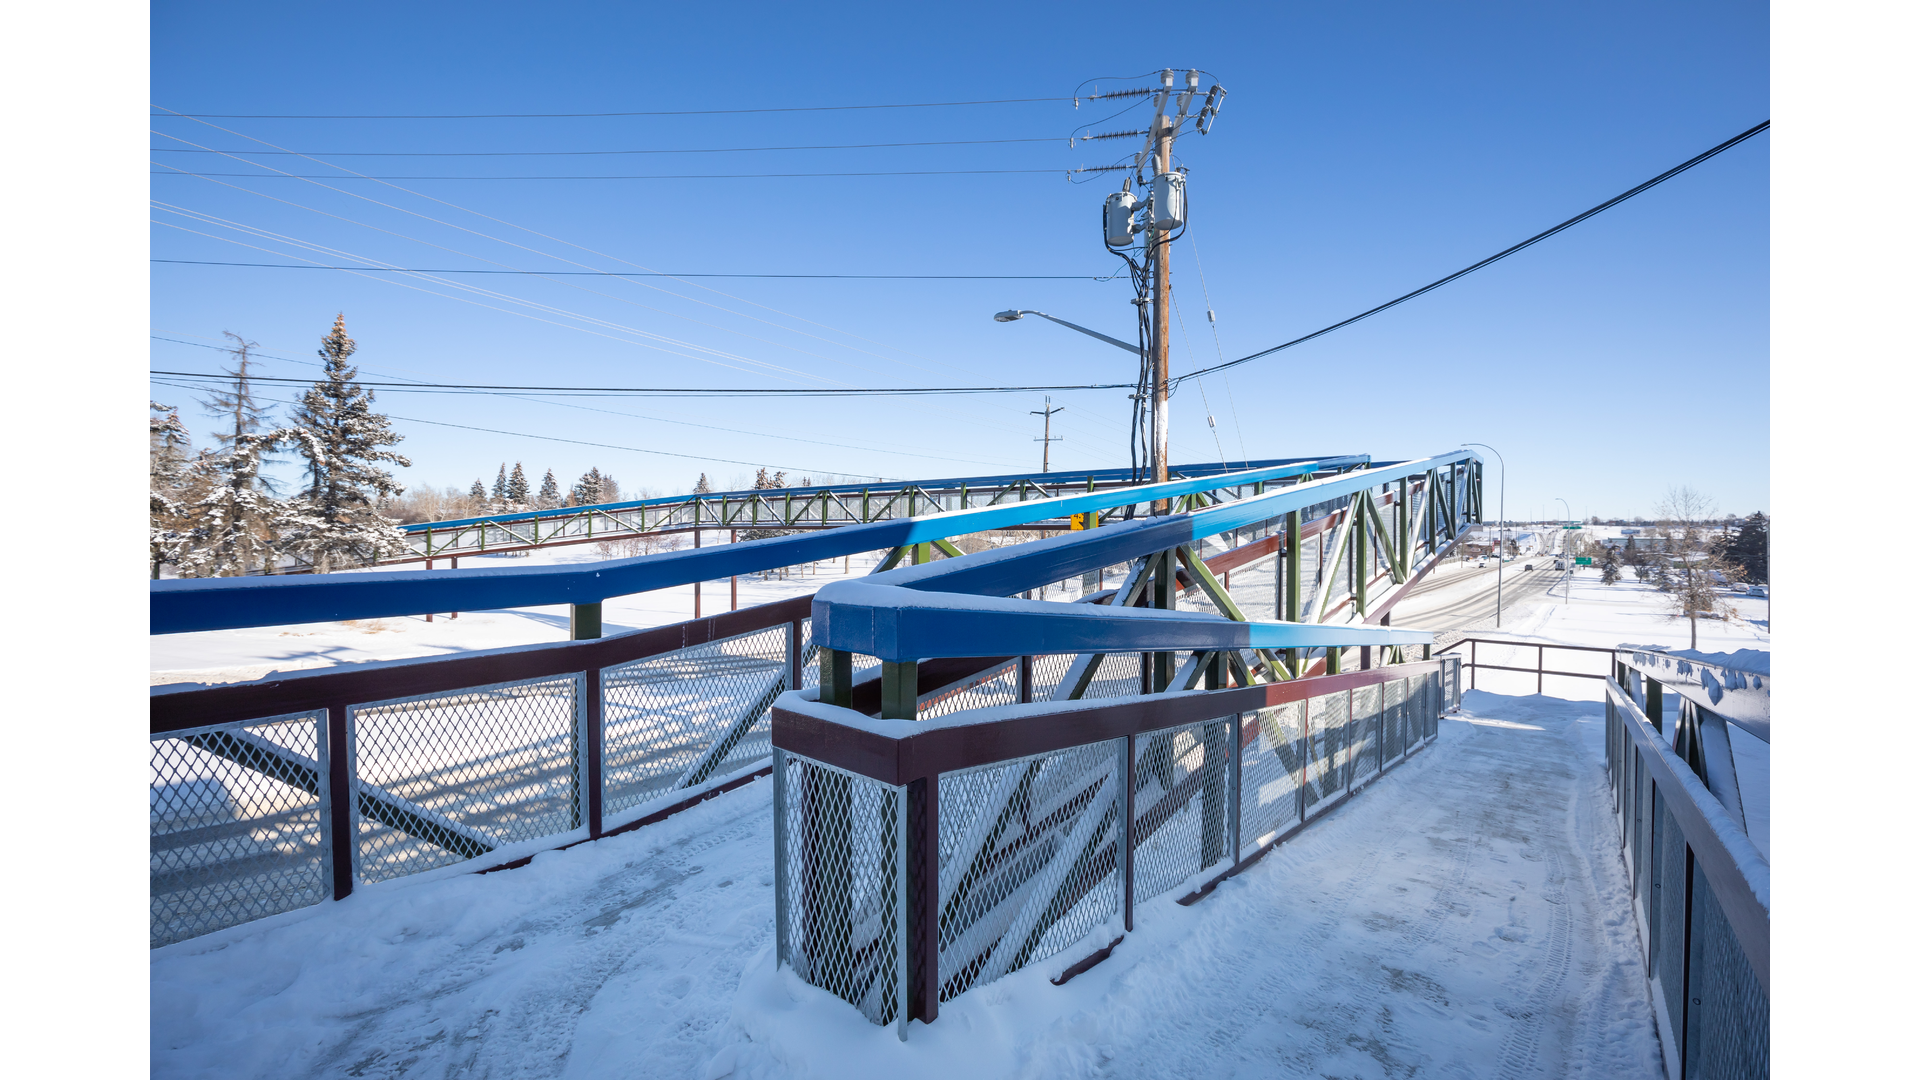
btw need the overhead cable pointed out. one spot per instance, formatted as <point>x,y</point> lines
<point>600,153</point>
<point>645,176</point>
<point>591,115</point>
<point>1491,259</point>
<point>676,391</point>
<point>655,273</point>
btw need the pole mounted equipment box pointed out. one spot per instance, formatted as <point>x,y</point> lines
<point>1118,218</point>
<point>1169,201</point>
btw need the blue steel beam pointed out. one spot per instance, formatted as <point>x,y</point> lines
<point>960,608</point>
<point>1055,478</point>
<point>231,603</point>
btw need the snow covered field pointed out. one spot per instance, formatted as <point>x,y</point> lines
<point>1466,916</point>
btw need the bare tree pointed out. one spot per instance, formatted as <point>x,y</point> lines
<point>1696,566</point>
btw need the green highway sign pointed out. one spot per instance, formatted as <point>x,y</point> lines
<point>1569,526</point>
<point>1583,561</point>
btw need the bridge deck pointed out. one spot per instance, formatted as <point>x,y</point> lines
<point>1481,932</point>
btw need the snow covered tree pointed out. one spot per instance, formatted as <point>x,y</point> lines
<point>703,488</point>
<point>1609,567</point>
<point>609,488</point>
<point>1698,568</point>
<point>344,443</point>
<point>517,492</point>
<point>764,482</point>
<point>500,484</point>
<point>167,494</point>
<point>478,494</point>
<point>236,524</point>
<point>549,496</point>
<point>587,491</point>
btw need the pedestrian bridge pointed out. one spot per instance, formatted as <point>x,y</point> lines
<point>963,786</point>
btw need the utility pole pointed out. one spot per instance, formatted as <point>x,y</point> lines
<point>1047,440</point>
<point>1162,297</point>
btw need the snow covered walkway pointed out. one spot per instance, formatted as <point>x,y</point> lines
<point>1466,916</point>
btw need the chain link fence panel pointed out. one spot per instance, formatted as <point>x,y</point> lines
<point>1180,824</point>
<point>1270,767</point>
<point>237,824</point>
<point>442,778</point>
<point>1028,859</point>
<point>839,870</point>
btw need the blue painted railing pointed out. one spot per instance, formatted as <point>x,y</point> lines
<point>231,603</point>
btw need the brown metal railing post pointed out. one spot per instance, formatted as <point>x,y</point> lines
<point>1026,679</point>
<point>1126,837</point>
<point>923,899</point>
<point>795,658</point>
<point>340,798</point>
<point>596,735</point>
<point>1540,669</point>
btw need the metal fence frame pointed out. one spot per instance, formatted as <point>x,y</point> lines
<point>334,696</point>
<point>1701,899</point>
<point>912,757</point>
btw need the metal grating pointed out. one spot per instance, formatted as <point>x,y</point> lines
<point>1368,738</point>
<point>236,824</point>
<point>1728,1025</point>
<point>1117,676</point>
<point>1668,911</point>
<point>681,718</point>
<point>447,777</point>
<point>1027,859</point>
<point>839,869</point>
<point>1328,738</point>
<point>1048,670</point>
<point>1394,718</point>
<point>1269,773</point>
<point>999,686</point>
<point>1180,822</point>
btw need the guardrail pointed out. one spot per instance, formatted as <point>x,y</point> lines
<point>1539,670</point>
<point>275,795</point>
<point>917,859</point>
<point>1701,890</point>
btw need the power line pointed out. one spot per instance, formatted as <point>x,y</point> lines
<point>646,176</point>
<point>599,153</point>
<point>1491,259</point>
<point>654,273</point>
<point>505,389</point>
<point>583,442</point>
<point>571,116</point>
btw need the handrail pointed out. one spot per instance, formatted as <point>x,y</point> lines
<point>179,606</point>
<point>1734,867</point>
<point>1740,697</point>
<point>1081,477</point>
<point>962,606</point>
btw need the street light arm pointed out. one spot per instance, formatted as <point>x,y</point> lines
<point>1132,347</point>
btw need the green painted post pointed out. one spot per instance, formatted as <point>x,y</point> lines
<point>899,689</point>
<point>583,622</point>
<point>1403,530</point>
<point>922,554</point>
<point>1165,589</point>
<point>1362,562</point>
<point>836,678</point>
<point>1289,583</point>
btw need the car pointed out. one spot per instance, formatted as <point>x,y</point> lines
<point>1529,566</point>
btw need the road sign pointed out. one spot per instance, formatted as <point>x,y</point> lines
<point>1079,522</point>
<point>1569,526</point>
<point>1582,561</point>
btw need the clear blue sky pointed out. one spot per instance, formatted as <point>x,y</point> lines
<point>1364,150</point>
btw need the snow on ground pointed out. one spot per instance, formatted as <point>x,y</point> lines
<point>1466,916</point>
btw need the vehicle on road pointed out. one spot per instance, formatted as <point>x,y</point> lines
<point>1529,566</point>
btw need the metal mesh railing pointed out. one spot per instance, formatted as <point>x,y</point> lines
<point>1369,738</point>
<point>1027,859</point>
<point>1713,1006</point>
<point>999,686</point>
<point>1331,743</point>
<point>446,777</point>
<point>1270,767</point>
<point>236,824</point>
<point>1180,823</point>
<point>839,862</point>
<point>675,720</point>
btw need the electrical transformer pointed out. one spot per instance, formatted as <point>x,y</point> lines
<point>1119,219</point>
<point>1169,201</point>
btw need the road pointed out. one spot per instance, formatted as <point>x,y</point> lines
<point>1462,599</point>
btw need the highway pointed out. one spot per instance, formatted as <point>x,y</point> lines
<point>1460,599</point>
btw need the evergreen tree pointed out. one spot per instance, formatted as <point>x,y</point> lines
<point>500,484</point>
<point>477,493</point>
<point>236,525</point>
<point>235,408</point>
<point>549,496</point>
<point>609,488</point>
<point>167,522</point>
<point>1609,566</point>
<point>764,482</point>
<point>344,442</point>
<point>1749,547</point>
<point>703,488</point>
<point>517,486</point>
<point>587,491</point>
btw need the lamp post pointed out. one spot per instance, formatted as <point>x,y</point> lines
<point>1500,556</point>
<point>1011,316</point>
<point>1564,549</point>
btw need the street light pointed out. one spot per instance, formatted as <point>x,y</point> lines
<point>1564,550</point>
<point>1500,557</point>
<point>1010,316</point>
